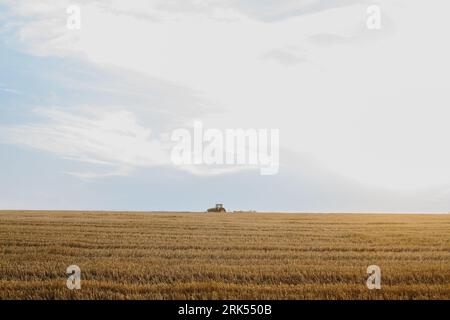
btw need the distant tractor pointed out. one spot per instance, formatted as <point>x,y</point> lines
<point>219,208</point>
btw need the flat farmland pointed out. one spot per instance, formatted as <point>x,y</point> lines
<point>124,255</point>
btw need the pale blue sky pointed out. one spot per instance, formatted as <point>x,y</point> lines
<point>362,115</point>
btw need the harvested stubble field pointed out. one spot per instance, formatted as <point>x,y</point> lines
<point>223,256</point>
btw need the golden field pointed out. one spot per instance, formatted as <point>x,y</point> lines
<point>223,256</point>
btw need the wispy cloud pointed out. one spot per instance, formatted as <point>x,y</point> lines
<point>286,56</point>
<point>113,143</point>
<point>115,140</point>
<point>8,90</point>
<point>277,10</point>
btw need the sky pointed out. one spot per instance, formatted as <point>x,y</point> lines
<point>86,114</point>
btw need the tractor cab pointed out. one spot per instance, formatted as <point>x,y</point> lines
<point>219,208</point>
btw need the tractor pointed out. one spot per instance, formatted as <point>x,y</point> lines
<point>219,208</point>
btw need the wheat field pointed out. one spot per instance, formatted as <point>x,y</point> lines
<point>223,256</point>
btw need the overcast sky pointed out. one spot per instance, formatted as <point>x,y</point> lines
<point>363,114</point>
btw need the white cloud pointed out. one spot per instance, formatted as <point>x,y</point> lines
<point>286,56</point>
<point>374,111</point>
<point>115,140</point>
